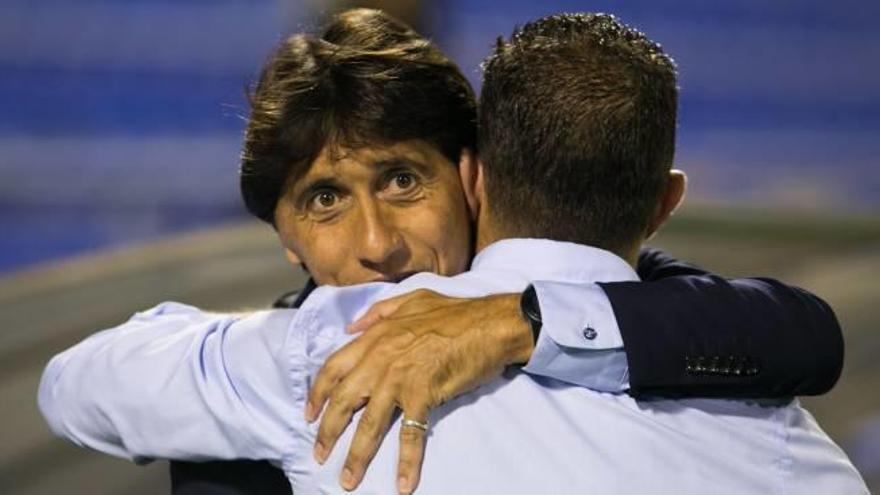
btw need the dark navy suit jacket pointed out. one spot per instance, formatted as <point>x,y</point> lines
<point>687,333</point>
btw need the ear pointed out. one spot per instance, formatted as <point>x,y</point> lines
<point>672,196</point>
<point>471,175</point>
<point>292,257</point>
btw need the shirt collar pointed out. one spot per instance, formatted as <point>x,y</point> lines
<point>542,259</point>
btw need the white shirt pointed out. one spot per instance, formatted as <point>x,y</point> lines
<point>179,383</point>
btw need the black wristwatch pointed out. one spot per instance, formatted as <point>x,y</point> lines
<point>531,310</point>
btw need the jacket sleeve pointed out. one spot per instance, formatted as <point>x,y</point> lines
<point>688,332</point>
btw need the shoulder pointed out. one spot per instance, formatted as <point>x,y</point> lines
<point>465,284</point>
<point>287,300</point>
<point>295,298</point>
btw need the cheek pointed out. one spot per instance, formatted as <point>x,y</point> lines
<point>321,250</point>
<point>446,233</point>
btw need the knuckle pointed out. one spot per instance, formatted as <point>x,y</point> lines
<point>329,431</point>
<point>368,422</point>
<point>315,393</point>
<point>376,313</point>
<point>331,414</point>
<point>355,458</point>
<point>414,393</point>
<point>380,350</point>
<point>332,368</point>
<point>408,463</point>
<point>421,399</point>
<point>325,375</point>
<point>419,385</point>
<point>379,328</point>
<point>411,435</point>
<point>418,399</point>
<point>398,368</point>
<point>389,303</point>
<point>324,433</point>
<point>341,400</point>
<point>339,396</point>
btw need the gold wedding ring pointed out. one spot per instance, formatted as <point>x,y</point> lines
<point>415,424</point>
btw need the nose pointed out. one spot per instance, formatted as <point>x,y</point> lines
<point>382,246</point>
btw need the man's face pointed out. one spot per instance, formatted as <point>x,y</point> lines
<point>377,213</point>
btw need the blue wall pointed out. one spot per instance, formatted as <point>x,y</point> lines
<point>121,120</point>
<point>780,100</point>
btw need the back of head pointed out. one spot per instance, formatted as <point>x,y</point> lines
<point>577,130</point>
<point>367,79</point>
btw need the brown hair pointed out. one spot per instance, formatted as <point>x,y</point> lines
<point>367,79</point>
<point>577,130</point>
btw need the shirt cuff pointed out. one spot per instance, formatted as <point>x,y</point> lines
<point>579,342</point>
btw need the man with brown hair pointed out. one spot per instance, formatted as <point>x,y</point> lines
<point>369,194</point>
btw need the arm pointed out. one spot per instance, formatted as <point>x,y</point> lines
<point>688,333</point>
<point>236,477</point>
<point>673,325</point>
<point>175,382</point>
<point>691,333</point>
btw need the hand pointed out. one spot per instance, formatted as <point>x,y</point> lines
<point>418,351</point>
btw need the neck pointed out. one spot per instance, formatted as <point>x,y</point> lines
<point>489,232</point>
<point>487,228</point>
<point>631,255</point>
<point>485,237</point>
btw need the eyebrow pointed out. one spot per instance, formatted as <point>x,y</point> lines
<point>388,163</point>
<point>314,185</point>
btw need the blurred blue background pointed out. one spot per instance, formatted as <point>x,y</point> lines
<point>120,120</point>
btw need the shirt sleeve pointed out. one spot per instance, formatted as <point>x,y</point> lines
<point>579,342</point>
<point>176,382</point>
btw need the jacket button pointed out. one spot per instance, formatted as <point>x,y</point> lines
<point>590,333</point>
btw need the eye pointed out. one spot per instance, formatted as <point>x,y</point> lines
<point>403,181</point>
<point>324,200</point>
<point>327,199</point>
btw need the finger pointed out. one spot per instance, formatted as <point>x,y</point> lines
<point>420,300</point>
<point>371,429</point>
<point>412,449</point>
<point>334,370</point>
<point>334,420</point>
<point>378,312</point>
<point>328,378</point>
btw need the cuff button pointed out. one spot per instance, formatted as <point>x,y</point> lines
<point>590,333</point>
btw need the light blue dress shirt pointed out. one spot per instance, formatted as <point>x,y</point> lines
<point>175,382</point>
